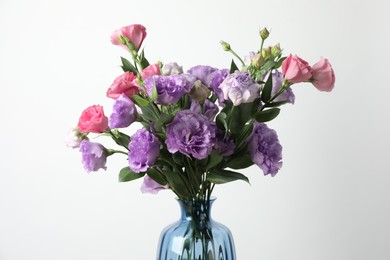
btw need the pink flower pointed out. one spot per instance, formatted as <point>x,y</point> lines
<point>125,83</point>
<point>136,33</point>
<point>296,70</point>
<point>151,70</point>
<point>93,120</point>
<point>323,75</point>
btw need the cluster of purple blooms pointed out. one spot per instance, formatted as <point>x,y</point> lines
<point>198,126</point>
<point>193,131</point>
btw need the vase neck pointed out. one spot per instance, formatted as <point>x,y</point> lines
<point>196,210</point>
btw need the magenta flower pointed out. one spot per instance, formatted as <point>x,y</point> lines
<point>94,156</point>
<point>265,149</point>
<point>144,148</point>
<point>191,134</point>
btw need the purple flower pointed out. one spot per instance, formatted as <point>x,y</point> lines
<point>265,149</point>
<point>223,144</point>
<point>210,110</point>
<point>169,88</point>
<point>214,80</point>
<point>201,72</point>
<point>239,87</point>
<point>277,80</point>
<point>94,156</point>
<point>144,148</point>
<point>172,68</point>
<point>150,186</point>
<point>124,112</point>
<point>191,134</point>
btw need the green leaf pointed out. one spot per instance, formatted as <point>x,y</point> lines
<point>277,103</point>
<point>176,182</point>
<point>120,138</point>
<point>267,115</point>
<point>128,175</point>
<point>240,162</point>
<point>233,67</point>
<point>267,90</point>
<point>154,93</point>
<point>127,66</point>
<point>148,113</point>
<point>163,120</point>
<point>268,65</point>
<point>225,176</point>
<point>279,62</point>
<point>156,176</point>
<point>214,159</point>
<point>221,121</point>
<point>144,62</point>
<point>140,100</point>
<point>239,116</point>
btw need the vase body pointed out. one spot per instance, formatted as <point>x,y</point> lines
<point>196,235</point>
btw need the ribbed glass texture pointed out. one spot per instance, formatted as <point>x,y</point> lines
<point>196,235</point>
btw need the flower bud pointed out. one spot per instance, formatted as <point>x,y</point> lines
<point>276,50</point>
<point>225,46</point>
<point>264,33</point>
<point>267,53</point>
<point>199,92</point>
<point>257,61</point>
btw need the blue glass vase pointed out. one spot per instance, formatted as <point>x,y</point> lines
<point>196,235</point>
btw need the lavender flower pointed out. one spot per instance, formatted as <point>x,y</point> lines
<point>223,144</point>
<point>144,148</point>
<point>172,68</point>
<point>265,149</point>
<point>201,72</point>
<point>94,156</point>
<point>169,88</point>
<point>150,186</point>
<point>214,80</point>
<point>191,134</point>
<point>239,87</point>
<point>287,95</point>
<point>210,110</point>
<point>124,112</point>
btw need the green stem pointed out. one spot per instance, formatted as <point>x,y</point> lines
<point>112,151</point>
<point>238,57</point>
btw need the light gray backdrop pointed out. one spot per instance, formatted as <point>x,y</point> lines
<point>329,201</point>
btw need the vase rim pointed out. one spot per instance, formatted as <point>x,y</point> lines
<point>212,198</point>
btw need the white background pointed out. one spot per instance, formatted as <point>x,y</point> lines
<point>329,201</point>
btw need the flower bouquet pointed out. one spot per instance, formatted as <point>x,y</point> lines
<point>196,128</point>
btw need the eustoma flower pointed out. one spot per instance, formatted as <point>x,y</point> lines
<point>123,84</point>
<point>93,120</point>
<point>144,149</point>
<point>136,33</point>
<point>239,87</point>
<point>150,186</point>
<point>323,75</point>
<point>191,134</point>
<point>265,149</point>
<point>94,156</point>
<point>124,112</point>
<point>295,69</point>
<point>169,88</point>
